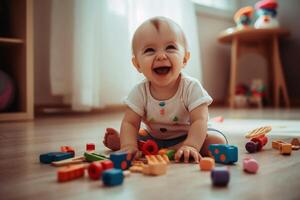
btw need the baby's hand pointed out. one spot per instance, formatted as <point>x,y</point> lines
<point>187,152</point>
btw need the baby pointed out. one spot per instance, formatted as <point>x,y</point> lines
<point>172,106</point>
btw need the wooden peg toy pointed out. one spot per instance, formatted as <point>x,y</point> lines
<point>283,147</point>
<point>112,177</point>
<point>250,165</point>
<point>223,153</point>
<point>220,176</point>
<point>207,164</point>
<point>69,161</point>
<point>92,156</point>
<point>258,132</point>
<point>48,158</point>
<point>256,144</point>
<point>70,172</point>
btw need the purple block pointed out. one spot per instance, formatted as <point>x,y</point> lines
<point>220,176</point>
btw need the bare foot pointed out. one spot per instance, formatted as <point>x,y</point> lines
<point>112,139</point>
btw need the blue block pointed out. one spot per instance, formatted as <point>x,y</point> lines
<point>48,158</point>
<point>220,176</point>
<point>223,153</point>
<point>121,160</point>
<point>112,177</point>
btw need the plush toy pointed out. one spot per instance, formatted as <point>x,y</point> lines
<point>7,91</point>
<point>243,17</point>
<point>266,11</point>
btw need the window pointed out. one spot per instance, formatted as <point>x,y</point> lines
<point>229,5</point>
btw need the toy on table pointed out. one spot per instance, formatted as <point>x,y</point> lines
<point>283,147</point>
<point>257,93</point>
<point>243,17</point>
<point>250,165</point>
<point>7,91</point>
<point>92,156</point>
<point>121,160</point>
<point>50,157</point>
<point>112,177</point>
<point>148,147</point>
<point>96,168</point>
<point>70,172</point>
<point>266,11</point>
<point>220,176</point>
<point>69,161</point>
<point>207,164</point>
<point>223,153</point>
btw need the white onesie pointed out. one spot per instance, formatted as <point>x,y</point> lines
<point>169,118</point>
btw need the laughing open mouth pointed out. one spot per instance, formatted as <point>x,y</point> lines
<point>162,70</point>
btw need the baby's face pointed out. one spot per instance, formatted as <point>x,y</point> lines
<point>159,54</point>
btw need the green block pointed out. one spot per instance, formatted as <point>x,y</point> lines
<point>170,154</point>
<point>91,157</point>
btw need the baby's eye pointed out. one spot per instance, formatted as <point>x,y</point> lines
<point>149,50</point>
<point>171,47</point>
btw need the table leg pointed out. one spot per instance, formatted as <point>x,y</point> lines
<point>279,81</point>
<point>233,71</point>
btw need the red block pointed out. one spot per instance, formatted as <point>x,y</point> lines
<point>90,147</point>
<point>70,172</point>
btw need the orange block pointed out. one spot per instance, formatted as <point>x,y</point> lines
<point>207,164</point>
<point>286,149</point>
<point>70,172</point>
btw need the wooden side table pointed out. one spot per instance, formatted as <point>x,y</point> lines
<point>263,42</point>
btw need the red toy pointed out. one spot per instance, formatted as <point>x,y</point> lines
<point>90,147</point>
<point>67,149</point>
<point>148,147</point>
<point>70,172</point>
<point>256,144</point>
<point>96,168</point>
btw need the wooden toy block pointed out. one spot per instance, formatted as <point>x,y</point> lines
<point>148,147</point>
<point>207,164</point>
<point>250,165</point>
<point>69,161</point>
<point>223,153</point>
<point>92,156</point>
<point>112,177</point>
<point>256,144</point>
<point>220,176</point>
<point>121,160</point>
<point>285,149</point>
<point>277,143</point>
<point>48,158</point>
<point>70,172</point>
<point>90,147</point>
<point>96,168</point>
<point>68,149</point>
<point>295,142</point>
<point>157,165</point>
<point>259,131</point>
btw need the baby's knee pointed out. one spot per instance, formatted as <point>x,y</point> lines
<point>217,139</point>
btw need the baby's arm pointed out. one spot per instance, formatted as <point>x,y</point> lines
<point>129,130</point>
<point>196,135</point>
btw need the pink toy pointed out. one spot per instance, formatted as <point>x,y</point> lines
<point>250,165</point>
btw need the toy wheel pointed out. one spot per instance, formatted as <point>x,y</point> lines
<point>150,148</point>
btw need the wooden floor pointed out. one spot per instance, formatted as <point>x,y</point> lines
<point>23,177</point>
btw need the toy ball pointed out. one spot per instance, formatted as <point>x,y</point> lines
<point>250,165</point>
<point>7,91</point>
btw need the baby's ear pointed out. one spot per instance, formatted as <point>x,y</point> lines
<point>135,63</point>
<point>186,57</point>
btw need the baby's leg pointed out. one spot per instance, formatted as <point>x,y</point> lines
<point>211,139</point>
<point>112,139</point>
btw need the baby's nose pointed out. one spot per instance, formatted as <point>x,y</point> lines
<point>161,56</point>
